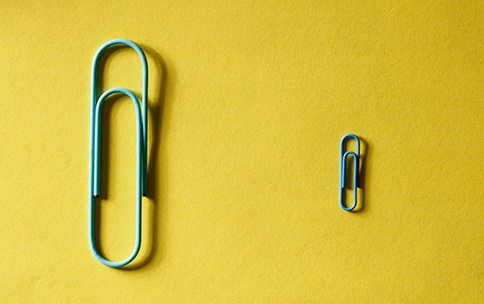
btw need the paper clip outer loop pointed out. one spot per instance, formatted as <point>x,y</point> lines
<point>141,148</point>
<point>356,177</point>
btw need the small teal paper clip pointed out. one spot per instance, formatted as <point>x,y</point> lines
<point>356,175</point>
<point>141,147</point>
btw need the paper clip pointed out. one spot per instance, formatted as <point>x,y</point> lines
<point>141,147</point>
<point>356,175</point>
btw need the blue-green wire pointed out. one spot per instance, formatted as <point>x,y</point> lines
<point>141,147</point>
<point>356,175</point>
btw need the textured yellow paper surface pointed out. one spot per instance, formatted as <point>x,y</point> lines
<point>249,101</point>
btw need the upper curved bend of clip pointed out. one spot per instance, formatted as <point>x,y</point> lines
<point>141,147</point>
<point>356,176</point>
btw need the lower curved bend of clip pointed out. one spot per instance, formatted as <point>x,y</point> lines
<point>356,174</point>
<point>141,149</point>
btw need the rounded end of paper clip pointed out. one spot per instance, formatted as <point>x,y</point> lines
<point>342,205</point>
<point>348,208</point>
<point>96,195</point>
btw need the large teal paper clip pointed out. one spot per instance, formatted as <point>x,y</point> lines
<point>356,175</point>
<point>95,147</point>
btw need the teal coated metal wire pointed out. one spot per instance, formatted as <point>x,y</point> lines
<point>95,147</point>
<point>356,175</point>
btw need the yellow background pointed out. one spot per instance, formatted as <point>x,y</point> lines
<point>248,103</point>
